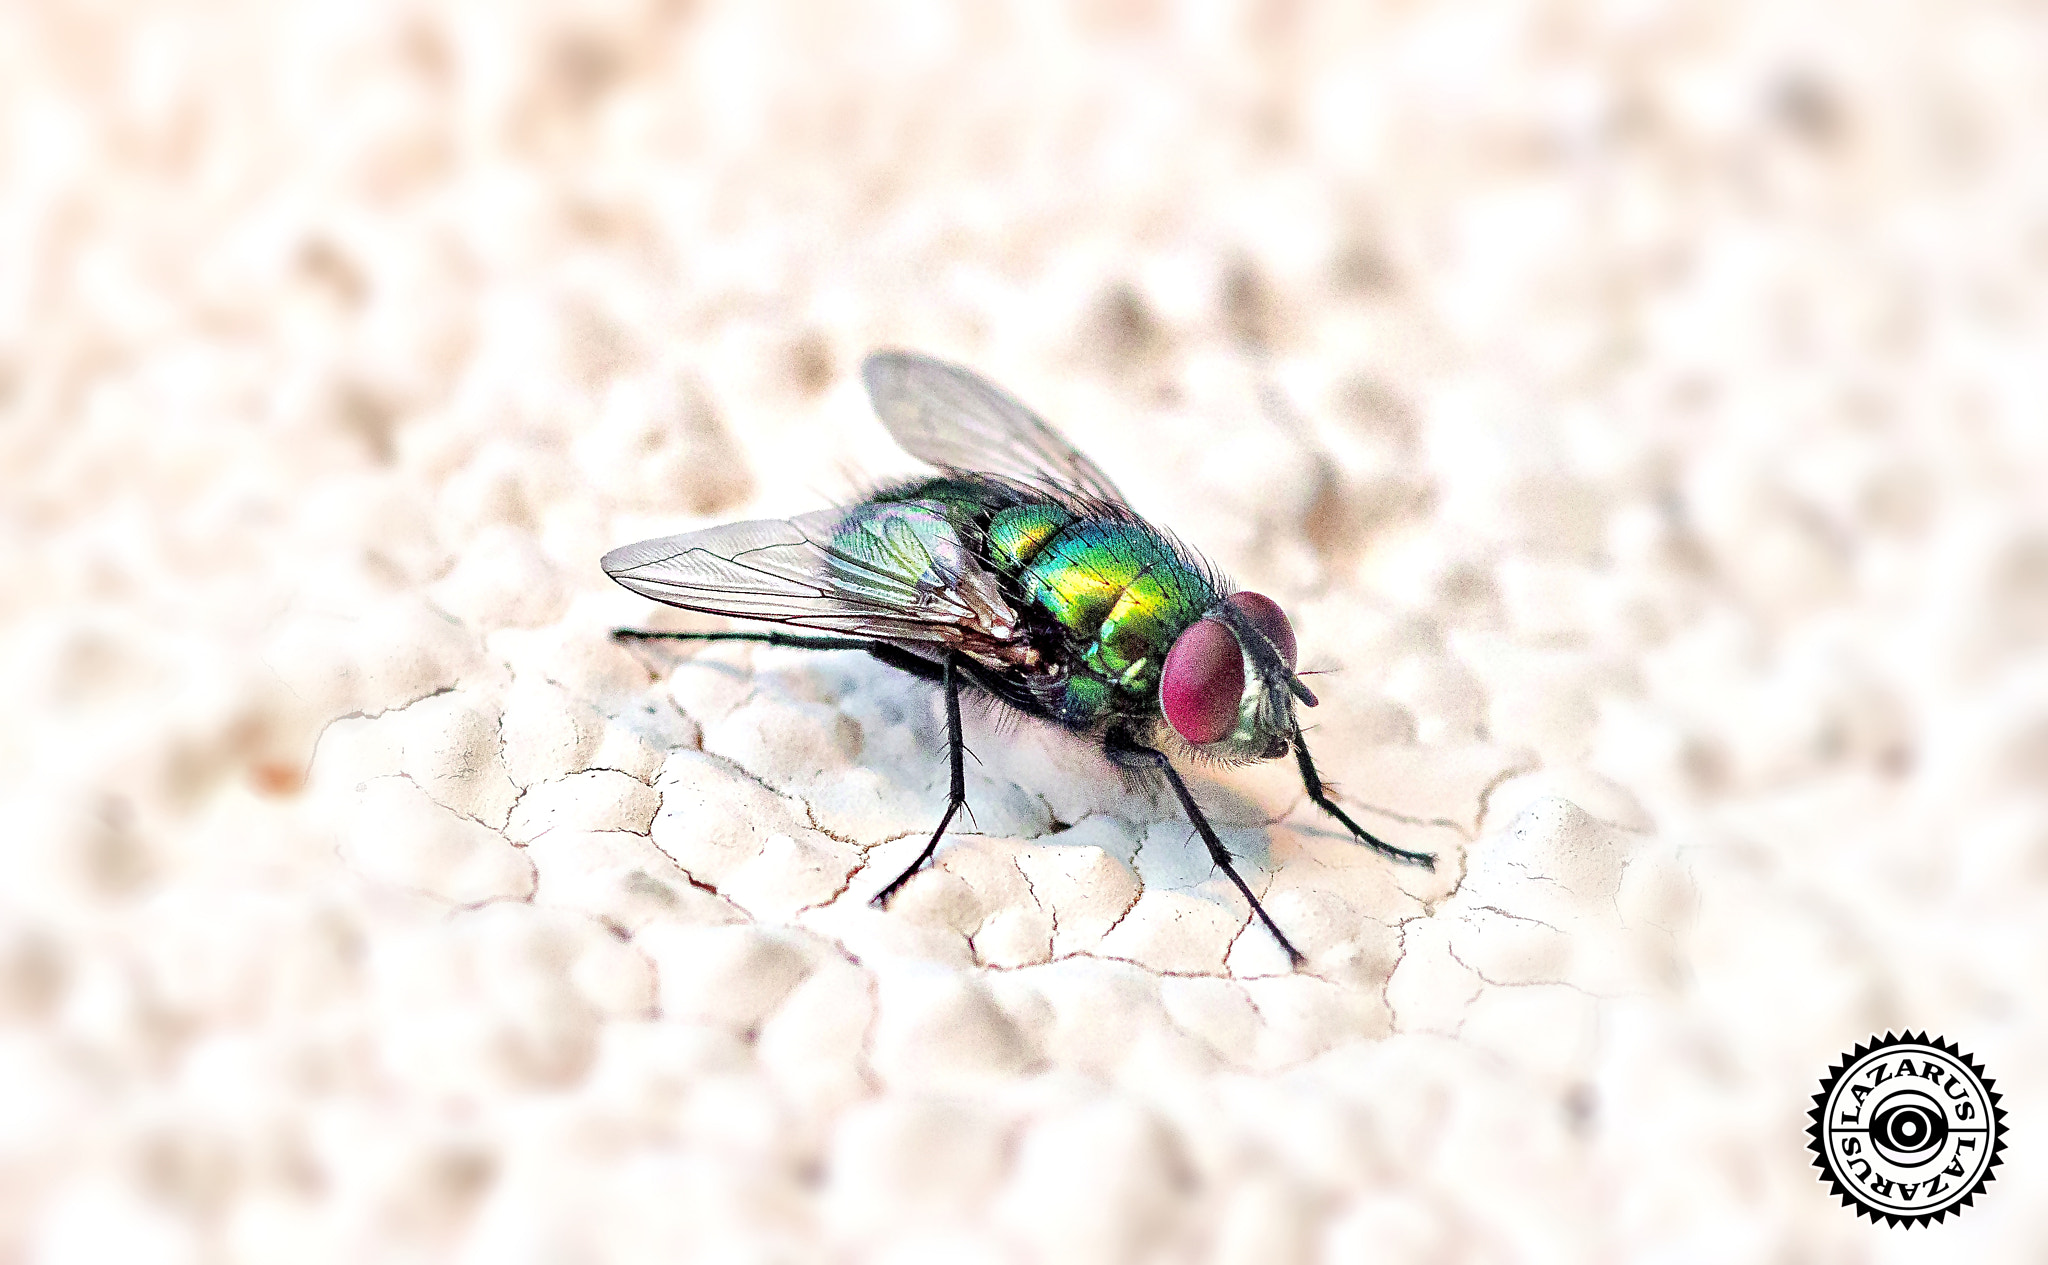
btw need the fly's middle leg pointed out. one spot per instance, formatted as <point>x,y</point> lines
<point>956,798</point>
<point>944,674</point>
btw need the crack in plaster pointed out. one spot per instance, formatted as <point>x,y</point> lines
<point>1496,909</point>
<point>860,867</point>
<point>512,812</point>
<point>1533,877</point>
<point>450,808</point>
<point>1491,982</point>
<point>1052,935</point>
<point>1400,956</point>
<point>1518,768</point>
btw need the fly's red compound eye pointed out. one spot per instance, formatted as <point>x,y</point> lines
<point>1266,616</point>
<point>1202,681</point>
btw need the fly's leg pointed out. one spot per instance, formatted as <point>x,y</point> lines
<point>1314,786</point>
<point>764,638</point>
<point>1130,754</point>
<point>895,656</point>
<point>956,799</point>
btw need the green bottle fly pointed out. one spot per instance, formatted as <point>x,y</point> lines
<point>1019,572</point>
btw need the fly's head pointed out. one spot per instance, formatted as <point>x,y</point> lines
<point>1228,687</point>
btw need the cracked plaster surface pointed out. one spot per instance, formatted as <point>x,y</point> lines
<point>1639,422</point>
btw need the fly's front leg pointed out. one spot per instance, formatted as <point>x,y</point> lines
<point>957,798</point>
<point>1314,786</point>
<point>1132,755</point>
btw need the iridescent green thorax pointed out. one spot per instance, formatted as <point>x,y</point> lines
<point>1112,591</point>
<point>1123,586</point>
<point>1125,592</point>
<point>1015,535</point>
<point>965,501</point>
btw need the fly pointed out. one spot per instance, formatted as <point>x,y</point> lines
<point>1018,571</point>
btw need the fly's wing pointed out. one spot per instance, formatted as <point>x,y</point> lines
<point>894,571</point>
<point>957,420</point>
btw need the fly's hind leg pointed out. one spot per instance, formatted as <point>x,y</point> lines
<point>895,656</point>
<point>1128,753</point>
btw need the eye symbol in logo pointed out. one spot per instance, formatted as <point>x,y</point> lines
<point>1909,1129</point>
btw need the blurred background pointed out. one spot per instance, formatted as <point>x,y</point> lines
<point>1646,396</point>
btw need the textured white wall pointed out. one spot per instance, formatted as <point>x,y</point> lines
<point>1642,405</point>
